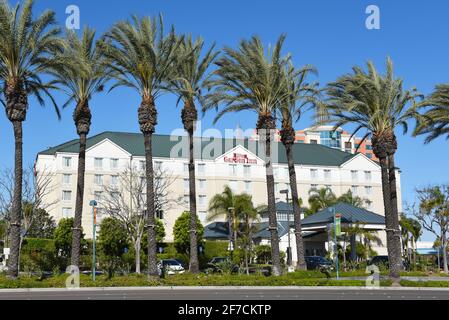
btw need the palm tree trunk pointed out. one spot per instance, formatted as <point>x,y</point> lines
<point>395,214</point>
<point>301,263</point>
<point>152,258</point>
<point>77,224</point>
<point>273,226</point>
<point>194,263</point>
<point>189,116</point>
<point>16,210</point>
<point>392,250</point>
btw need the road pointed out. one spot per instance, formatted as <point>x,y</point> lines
<point>231,294</point>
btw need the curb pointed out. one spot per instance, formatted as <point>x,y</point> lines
<point>92,289</point>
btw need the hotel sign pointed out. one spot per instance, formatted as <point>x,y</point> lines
<point>240,158</point>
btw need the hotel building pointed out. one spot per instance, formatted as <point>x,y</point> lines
<point>219,162</point>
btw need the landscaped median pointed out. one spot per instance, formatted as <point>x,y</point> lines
<point>299,279</point>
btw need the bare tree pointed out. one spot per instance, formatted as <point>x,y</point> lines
<point>126,201</point>
<point>433,214</point>
<point>36,186</point>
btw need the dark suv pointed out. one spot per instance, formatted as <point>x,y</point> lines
<point>317,263</point>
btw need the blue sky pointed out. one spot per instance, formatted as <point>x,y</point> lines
<point>330,35</point>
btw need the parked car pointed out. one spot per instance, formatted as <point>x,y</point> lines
<point>383,261</point>
<point>318,263</point>
<point>170,267</point>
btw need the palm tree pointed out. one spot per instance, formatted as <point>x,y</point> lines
<point>189,72</point>
<point>250,78</point>
<point>298,91</point>
<point>141,57</point>
<point>379,104</point>
<point>355,201</point>
<point>246,214</point>
<point>223,204</point>
<point>26,46</point>
<point>320,199</point>
<point>81,71</point>
<point>435,121</point>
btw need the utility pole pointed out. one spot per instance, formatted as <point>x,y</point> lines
<point>289,249</point>
<point>93,204</point>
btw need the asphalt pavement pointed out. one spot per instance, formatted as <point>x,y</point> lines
<point>228,293</point>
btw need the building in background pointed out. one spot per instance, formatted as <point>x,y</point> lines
<point>339,139</point>
<point>219,162</point>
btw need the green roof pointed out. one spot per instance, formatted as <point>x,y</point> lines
<point>349,214</point>
<point>305,154</point>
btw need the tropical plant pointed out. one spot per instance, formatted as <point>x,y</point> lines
<point>246,215</point>
<point>223,205</point>
<point>353,200</point>
<point>251,78</point>
<point>411,231</point>
<point>188,74</point>
<point>299,95</point>
<point>378,104</point>
<point>81,71</point>
<point>320,199</point>
<point>435,121</point>
<point>141,56</point>
<point>26,47</point>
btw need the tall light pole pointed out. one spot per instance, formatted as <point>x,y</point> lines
<point>231,236</point>
<point>94,204</point>
<point>289,249</point>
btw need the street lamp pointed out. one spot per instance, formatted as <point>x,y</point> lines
<point>231,238</point>
<point>93,204</point>
<point>289,249</point>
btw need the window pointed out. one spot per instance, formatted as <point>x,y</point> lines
<point>66,195</point>
<point>202,215</point>
<point>160,214</point>
<point>114,180</point>
<point>368,175</point>
<point>202,200</point>
<point>313,174</point>
<point>66,162</point>
<point>354,175</point>
<point>348,147</point>
<point>186,185</point>
<point>98,179</point>
<point>233,185</point>
<point>201,168</point>
<point>248,187</point>
<point>286,173</point>
<point>331,139</point>
<point>369,147</point>
<point>66,179</point>
<point>98,163</point>
<point>142,165</point>
<point>202,184</point>
<point>114,164</point>
<point>355,190</point>
<point>369,155</point>
<point>98,195</point>
<point>276,188</point>
<point>327,175</point>
<point>314,187</point>
<point>247,171</point>
<point>233,169</point>
<point>158,165</point>
<point>186,168</point>
<point>368,190</point>
<point>66,212</point>
<point>115,195</point>
<point>186,199</point>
